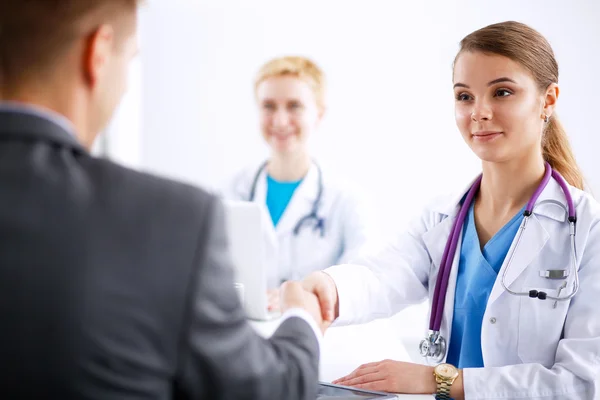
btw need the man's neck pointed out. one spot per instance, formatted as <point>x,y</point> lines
<point>42,112</point>
<point>63,110</point>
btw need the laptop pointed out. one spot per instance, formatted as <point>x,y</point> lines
<point>251,250</point>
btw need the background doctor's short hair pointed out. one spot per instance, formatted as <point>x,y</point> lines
<point>35,34</point>
<point>528,47</point>
<point>299,67</point>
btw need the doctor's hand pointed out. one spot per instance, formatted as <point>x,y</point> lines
<point>392,377</point>
<point>323,286</point>
<point>293,295</point>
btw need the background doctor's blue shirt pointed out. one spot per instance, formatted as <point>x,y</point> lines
<point>279,194</point>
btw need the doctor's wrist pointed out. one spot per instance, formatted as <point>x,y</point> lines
<point>457,390</point>
<point>429,382</point>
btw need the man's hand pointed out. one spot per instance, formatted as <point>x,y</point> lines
<point>293,295</point>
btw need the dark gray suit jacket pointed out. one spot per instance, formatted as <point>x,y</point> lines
<point>117,285</point>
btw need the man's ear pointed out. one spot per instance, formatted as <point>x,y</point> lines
<point>97,52</point>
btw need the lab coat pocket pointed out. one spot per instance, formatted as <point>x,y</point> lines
<point>540,328</point>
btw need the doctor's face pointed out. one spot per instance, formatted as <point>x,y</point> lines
<point>288,113</point>
<point>499,108</point>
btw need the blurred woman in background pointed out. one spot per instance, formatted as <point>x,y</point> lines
<point>317,219</point>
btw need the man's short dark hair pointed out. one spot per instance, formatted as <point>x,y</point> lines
<point>34,34</point>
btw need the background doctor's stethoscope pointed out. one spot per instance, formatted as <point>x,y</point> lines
<point>311,223</point>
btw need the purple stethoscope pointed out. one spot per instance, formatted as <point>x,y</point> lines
<point>434,345</point>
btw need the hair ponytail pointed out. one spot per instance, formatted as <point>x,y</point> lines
<point>557,151</point>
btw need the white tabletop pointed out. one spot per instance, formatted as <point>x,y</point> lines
<point>346,348</point>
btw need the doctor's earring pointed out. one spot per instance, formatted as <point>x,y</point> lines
<point>545,118</point>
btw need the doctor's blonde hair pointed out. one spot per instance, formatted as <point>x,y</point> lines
<point>298,67</point>
<point>529,48</point>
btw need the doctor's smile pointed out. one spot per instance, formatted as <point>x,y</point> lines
<point>485,136</point>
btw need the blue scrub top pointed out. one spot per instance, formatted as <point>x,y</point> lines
<point>477,272</point>
<point>279,195</point>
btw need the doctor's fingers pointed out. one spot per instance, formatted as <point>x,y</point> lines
<point>363,379</point>
<point>378,386</point>
<point>357,373</point>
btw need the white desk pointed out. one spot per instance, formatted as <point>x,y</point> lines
<point>346,348</point>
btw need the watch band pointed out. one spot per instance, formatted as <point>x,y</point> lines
<point>443,391</point>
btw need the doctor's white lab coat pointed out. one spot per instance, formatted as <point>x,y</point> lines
<point>530,349</point>
<point>348,222</point>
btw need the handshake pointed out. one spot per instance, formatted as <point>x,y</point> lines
<point>317,294</point>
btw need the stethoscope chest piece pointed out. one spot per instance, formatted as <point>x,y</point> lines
<point>433,347</point>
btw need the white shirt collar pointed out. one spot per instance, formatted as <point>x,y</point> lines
<point>31,109</point>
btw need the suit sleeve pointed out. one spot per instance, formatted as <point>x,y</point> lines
<point>222,356</point>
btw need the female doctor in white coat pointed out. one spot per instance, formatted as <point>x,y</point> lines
<point>316,219</point>
<point>520,318</point>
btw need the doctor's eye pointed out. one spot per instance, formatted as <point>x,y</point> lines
<point>268,106</point>
<point>463,97</point>
<point>503,93</point>
<point>294,106</point>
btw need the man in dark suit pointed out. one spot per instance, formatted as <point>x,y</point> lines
<point>115,284</point>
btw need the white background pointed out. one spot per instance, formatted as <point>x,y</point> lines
<point>390,122</point>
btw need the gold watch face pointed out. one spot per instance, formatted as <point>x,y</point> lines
<point>446,371</point>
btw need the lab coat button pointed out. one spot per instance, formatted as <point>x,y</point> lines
<point>493,320</point>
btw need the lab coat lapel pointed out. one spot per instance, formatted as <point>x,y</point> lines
<point>534,237</point>
<point>532,242</point>
<point>260,197</point>
<point>301,202</point>
<point>260,194</point>
<point>435,242</point>
<point>435,239</point>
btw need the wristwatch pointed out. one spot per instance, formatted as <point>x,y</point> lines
<point>445,375</point>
